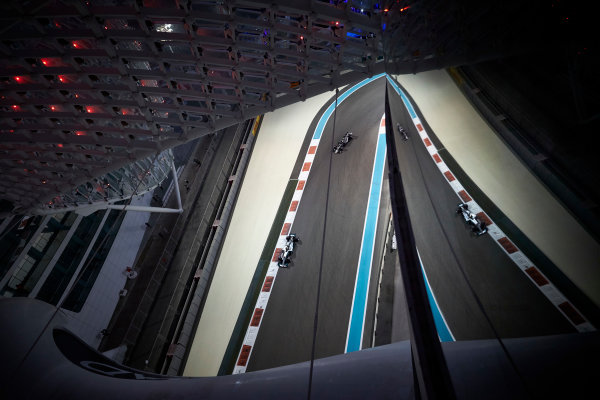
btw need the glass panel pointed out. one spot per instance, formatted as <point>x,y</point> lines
<point>69,260</point>
<point>94,262</point>
<point>39,255</point>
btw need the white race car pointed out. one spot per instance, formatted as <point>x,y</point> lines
<point>402,132</point>
<point>288,250</point>
<point>343,142</point>
<point>477,226</point>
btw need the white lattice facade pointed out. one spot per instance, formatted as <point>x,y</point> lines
<point>91,86</point>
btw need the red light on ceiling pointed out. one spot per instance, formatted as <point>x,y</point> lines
<point>386,10</point>
<point>76,44</point>
<point>18,79</point>
<point>76,96</point>
<point>80,133</point>
<point>89,109</point>
<point>53,108</point>
<point>15,107</point>
<point>52,62</point>
<point>337,22</point>
<point>62,78</point>
<point>59,145</point>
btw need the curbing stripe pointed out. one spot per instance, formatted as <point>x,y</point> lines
<point>449,176</point>
<point>267,284</point>
<point>536,276</point>
<point>286,227</point>
<point>258,312</point>
<point>465,197</point>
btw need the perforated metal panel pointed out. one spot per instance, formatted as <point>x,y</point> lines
<point>90,86</point>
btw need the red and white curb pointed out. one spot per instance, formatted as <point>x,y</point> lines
<point>265,292</point>
<point>570,312</point>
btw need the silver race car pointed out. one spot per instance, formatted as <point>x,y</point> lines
<point>477,226</point>
<point>402,132</point>
<point>284,258</point>
<point>342,143</point>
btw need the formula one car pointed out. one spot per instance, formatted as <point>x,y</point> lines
<point>477,226</point>
<point>402,132</point>
<point>342,143</point>
<point>288,250</point>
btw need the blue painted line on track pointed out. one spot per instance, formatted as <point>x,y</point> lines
<point>440,322</point>
<point>365,261</point>
<point>325,117</point>
<point>361,290</point>
<point>362,284</point>
<point>409,106</point>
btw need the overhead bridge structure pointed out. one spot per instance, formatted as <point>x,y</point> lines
<point>91,86</point>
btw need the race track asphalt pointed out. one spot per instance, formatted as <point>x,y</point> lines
<point>466,273</point>
<point>286,330</point>
<point>480,291</point>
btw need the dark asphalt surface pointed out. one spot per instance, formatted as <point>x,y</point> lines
<point>465,272</point>
<point>287,328</point>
